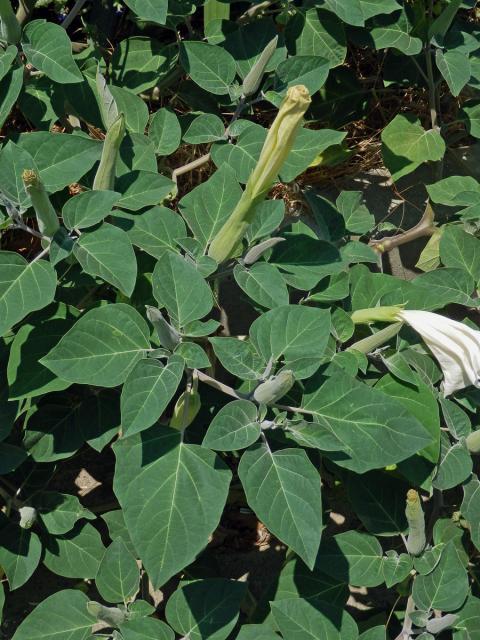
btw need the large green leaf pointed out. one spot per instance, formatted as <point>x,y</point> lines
<point>138,61</point>
<point>107,252</point>
<point>7,56</point>
<point>283,488</point>
<point>296,334</point>
<point>20,552</point>
<point>60,616</point>
<point>262,283</point>
<point>211,67</point>
<point>156,477</point>
<point>358,427</point>
<point>165,132</point>
<point>142,189</point>
<point>118,574</point>
<point>446,587</point>
<point>88,208</point>
<point>10,88</point>
<point>455,68</point>
<point>146,629</point>
<point>395,31</point>
<point>48,49</point>
<point>355,12</point>
<point>101,347</point>
<point>239,357</point>
<point>297,581</point>
<point>317,33</point>
<point>60,511</point>
<point>147,391</point>
<point>151,10</point>
<point>180,288</point>
<point>471,508</point>
<point>302,620</point>
<point>460,249</point>
<point>24,287</point>
<point>234,427</point>
<point>205,609</point>
<point>76,554</point>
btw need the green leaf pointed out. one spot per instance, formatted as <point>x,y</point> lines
<point>470,508</point>
<point>262,283</point>
<point>155,478</point>
<point>394,31</point>
<point>283,488</point>
<point>297,581</point>
<point>311,71</point>
<point>241,157</point>
<point>406,145</point>
<point>208,206</point>
<point>317,33</point>
<point>238,357</point>
<point>13,161</point>
<point>48,49</point>
<point>133,107</point>
<point>396,567</point>
<point>355,12</point>
<point>257,632</point>
<point>24,287</point>
<point>441,24</point>
<point>165,132</point>
<point>446,587</point>
<point>392,432</point>
<point>460,249</point>
<point>418,399</point>
<point>308,144</point>
<point>352,557</point>
<point>206,127</point>
<point>358,218</point>
<point>76,554</point>
<point>61,158</point>
<point>7,56</point>
<point>446,191</point>
<point>205,608</point>
<point>102,347</point>
<point>142,189</point>
<point>146,629</point>
<point>60,511</point>
<point>107,252</point>
<point>118,574</point>
<point>467,627</point>
<point>456,419</point>
<point>10,88</point>
<point>301,620</point>
<point>61,615</point>
<point>156,230</point>
<point>137,62</point>
<point>118,529</point>
<point>234,427</point>
<point>88,208</point>
<point>455,466</point>
<point>151,10</point>
<point>179,288</point>
<point>296,334</point>
<point>20,552</point>
<point>470,113</point>
<point>378,499</point>
<point>455,68</point>
<point>209,66</point>
<point>147,391</point>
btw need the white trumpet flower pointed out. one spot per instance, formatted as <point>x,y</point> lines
<point>455,345</point>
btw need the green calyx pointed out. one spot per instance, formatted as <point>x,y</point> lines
<point>377,314</point>
<point>105,176</point>
<point>416,523</point>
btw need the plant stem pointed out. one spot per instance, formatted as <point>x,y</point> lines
<point>73,13</point>
<point>426,227</point>
<point>405,633</point>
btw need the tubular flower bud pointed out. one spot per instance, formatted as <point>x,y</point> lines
<point>168,336</point>
<point>186,409</point>
<point>105,176</point>
<point>274,388</point>
<point>47,219</point>
<point>112,616</point>
<point>416,524</point>
<point>277,146</point>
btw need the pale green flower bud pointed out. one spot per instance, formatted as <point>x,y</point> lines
<point>376,314</point>
<point>47,220</point>
<point>416,523</point>
<point>186,409</point>
<point>10,29</point>
<point>105,176</point>
<point>437,625</point>
<point>275,387</point>
<point>112,616</point>
<point>168,336</point>
<point>277,146</point>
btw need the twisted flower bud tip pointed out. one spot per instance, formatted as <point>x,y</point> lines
<point>29,177</point>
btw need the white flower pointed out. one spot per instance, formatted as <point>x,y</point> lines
<point>455,345</point>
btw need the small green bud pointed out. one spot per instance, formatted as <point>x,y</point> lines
<point>437,625</point>
<point>473,442</point>
<point>105,176</point>
<point>186,409</point>
<point>274,388</point>
<point>168,336</point>
<point>254,76</point>
<point>28,517</point>
<point>47,219</point>
<point>112,616</point>
<point>416,523</point>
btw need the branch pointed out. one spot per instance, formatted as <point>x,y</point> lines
<point>73,13</point>
<point>426,227</point>
<point>405,633</point>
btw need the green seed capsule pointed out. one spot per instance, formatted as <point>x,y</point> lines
<point>186,409</point>
<point>274,388</point>
<point>473,441</point>
<point>416,523</point>
<point>110,615</point>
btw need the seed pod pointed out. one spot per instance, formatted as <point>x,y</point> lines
<point>168,336</point>
<point>254,76</point>
<point>105,176</point>
<point>277,146</point>
<point>110,615</point>
<point>28,517</point>
<point>416,523</point>
<point>473,441</point>
<point>10,29</point>
<point>48,223</point>
<point>186,409</point>
<point>437,625</point>
<point>274,388</point>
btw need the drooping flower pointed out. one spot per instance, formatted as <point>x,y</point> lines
<point>455,345</point>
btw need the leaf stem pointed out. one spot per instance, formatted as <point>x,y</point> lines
<point>426,227</point>
<point>73,13</point>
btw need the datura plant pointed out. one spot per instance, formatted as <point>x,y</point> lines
<point>239,320</point>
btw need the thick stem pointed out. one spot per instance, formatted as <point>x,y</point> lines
<point>10,29</point>
<point>433,97</point>
<point>426,227</point>
<point>405,633</point>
